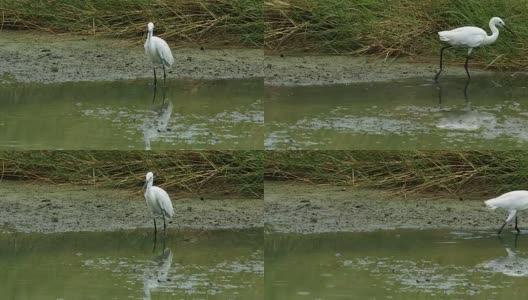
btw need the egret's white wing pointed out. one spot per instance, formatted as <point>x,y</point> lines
<point>164,201</point>
<point>468,36</point>
<point>517,200</point>
<point>164,51</point>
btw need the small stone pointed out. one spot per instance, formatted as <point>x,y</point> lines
<point>54,220</point>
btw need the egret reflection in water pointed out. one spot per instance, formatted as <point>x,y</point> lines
<point>467,118</point>
<point>156,272</point>
<point>154,126</point>
<point>514,263</point>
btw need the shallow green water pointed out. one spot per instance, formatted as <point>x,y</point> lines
<point>405,114</point>
<point>216,114</point>
<point>124,265</point>
<point>396,265</point>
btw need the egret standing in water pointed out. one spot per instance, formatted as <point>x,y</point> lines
<point>469,37</point>
<point>158,52</point>
<point>158,201</point>
<point>512,202</point>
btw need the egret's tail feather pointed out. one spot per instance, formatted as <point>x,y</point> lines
<point>443,36</point>
<point>490,205</point>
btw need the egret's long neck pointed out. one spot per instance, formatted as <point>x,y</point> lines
<point>149,185</point>
<point>149,36</point>
<point>494,34</point>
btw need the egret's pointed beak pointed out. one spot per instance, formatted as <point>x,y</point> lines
<point>506,27</point>
<point>144,186</point>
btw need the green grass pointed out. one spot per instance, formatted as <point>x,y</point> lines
<point>395,28</point>
<point>227,22</point>
<point>404,172</point>
<point>233,172</point>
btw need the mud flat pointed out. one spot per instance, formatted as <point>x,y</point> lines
<point>36,207</point>
<point>303,208</point>
<point>327,70</point>
<point>40,57</point>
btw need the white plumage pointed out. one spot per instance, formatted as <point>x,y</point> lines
<point>158,201</point>
<point>469,37</point>
<point>158,51</point>
<point>511,202</point>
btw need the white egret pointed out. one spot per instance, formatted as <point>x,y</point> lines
<point>158,52</point>
<point>469,37</point>
<point>512,202</point>
<point>158,201</point>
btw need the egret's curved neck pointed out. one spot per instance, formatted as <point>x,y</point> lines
<point>149,185</point>
<point>494,34</point>
<point>149,36</point>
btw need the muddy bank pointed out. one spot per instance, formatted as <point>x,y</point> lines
<point>293,207</point>
<point>326,70</point>
<point>30,207</point>
<point>40,57</point>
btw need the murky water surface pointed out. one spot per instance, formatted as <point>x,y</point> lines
<point>124,265</point>
<point>396,265</point>
<point>196,114</point>
<point>404,114</point>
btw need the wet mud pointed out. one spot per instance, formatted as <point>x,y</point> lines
<point>37,207</point>
<point>303,208</point>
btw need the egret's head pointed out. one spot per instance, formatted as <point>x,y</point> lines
<point>498,21</point>
<point>150,26</point>
<point>149,177</point>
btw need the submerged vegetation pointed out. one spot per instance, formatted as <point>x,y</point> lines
<point>230,22</point>
<point>404,172</point>
<point>234,172</point>
<point>391,28</point>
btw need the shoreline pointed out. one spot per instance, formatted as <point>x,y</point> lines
<point>332,70</point>
<point>46,208</point>
<point>60,58</point>
<point>302,208</point>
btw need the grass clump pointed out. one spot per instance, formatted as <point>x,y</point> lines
<point>234,172</point>
<point>405,172</point>
<point>236,23</point>
<point>392,28</point>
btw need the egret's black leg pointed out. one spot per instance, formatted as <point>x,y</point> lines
<point>502,227</point>
<point>465,91</point>
<point>155,84</point>
<point>155,229</point>
<point>466,67</point>
<point>164,225</point>
<point>441,62</point>
<point>155,79</point>
<point>516,228</point>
